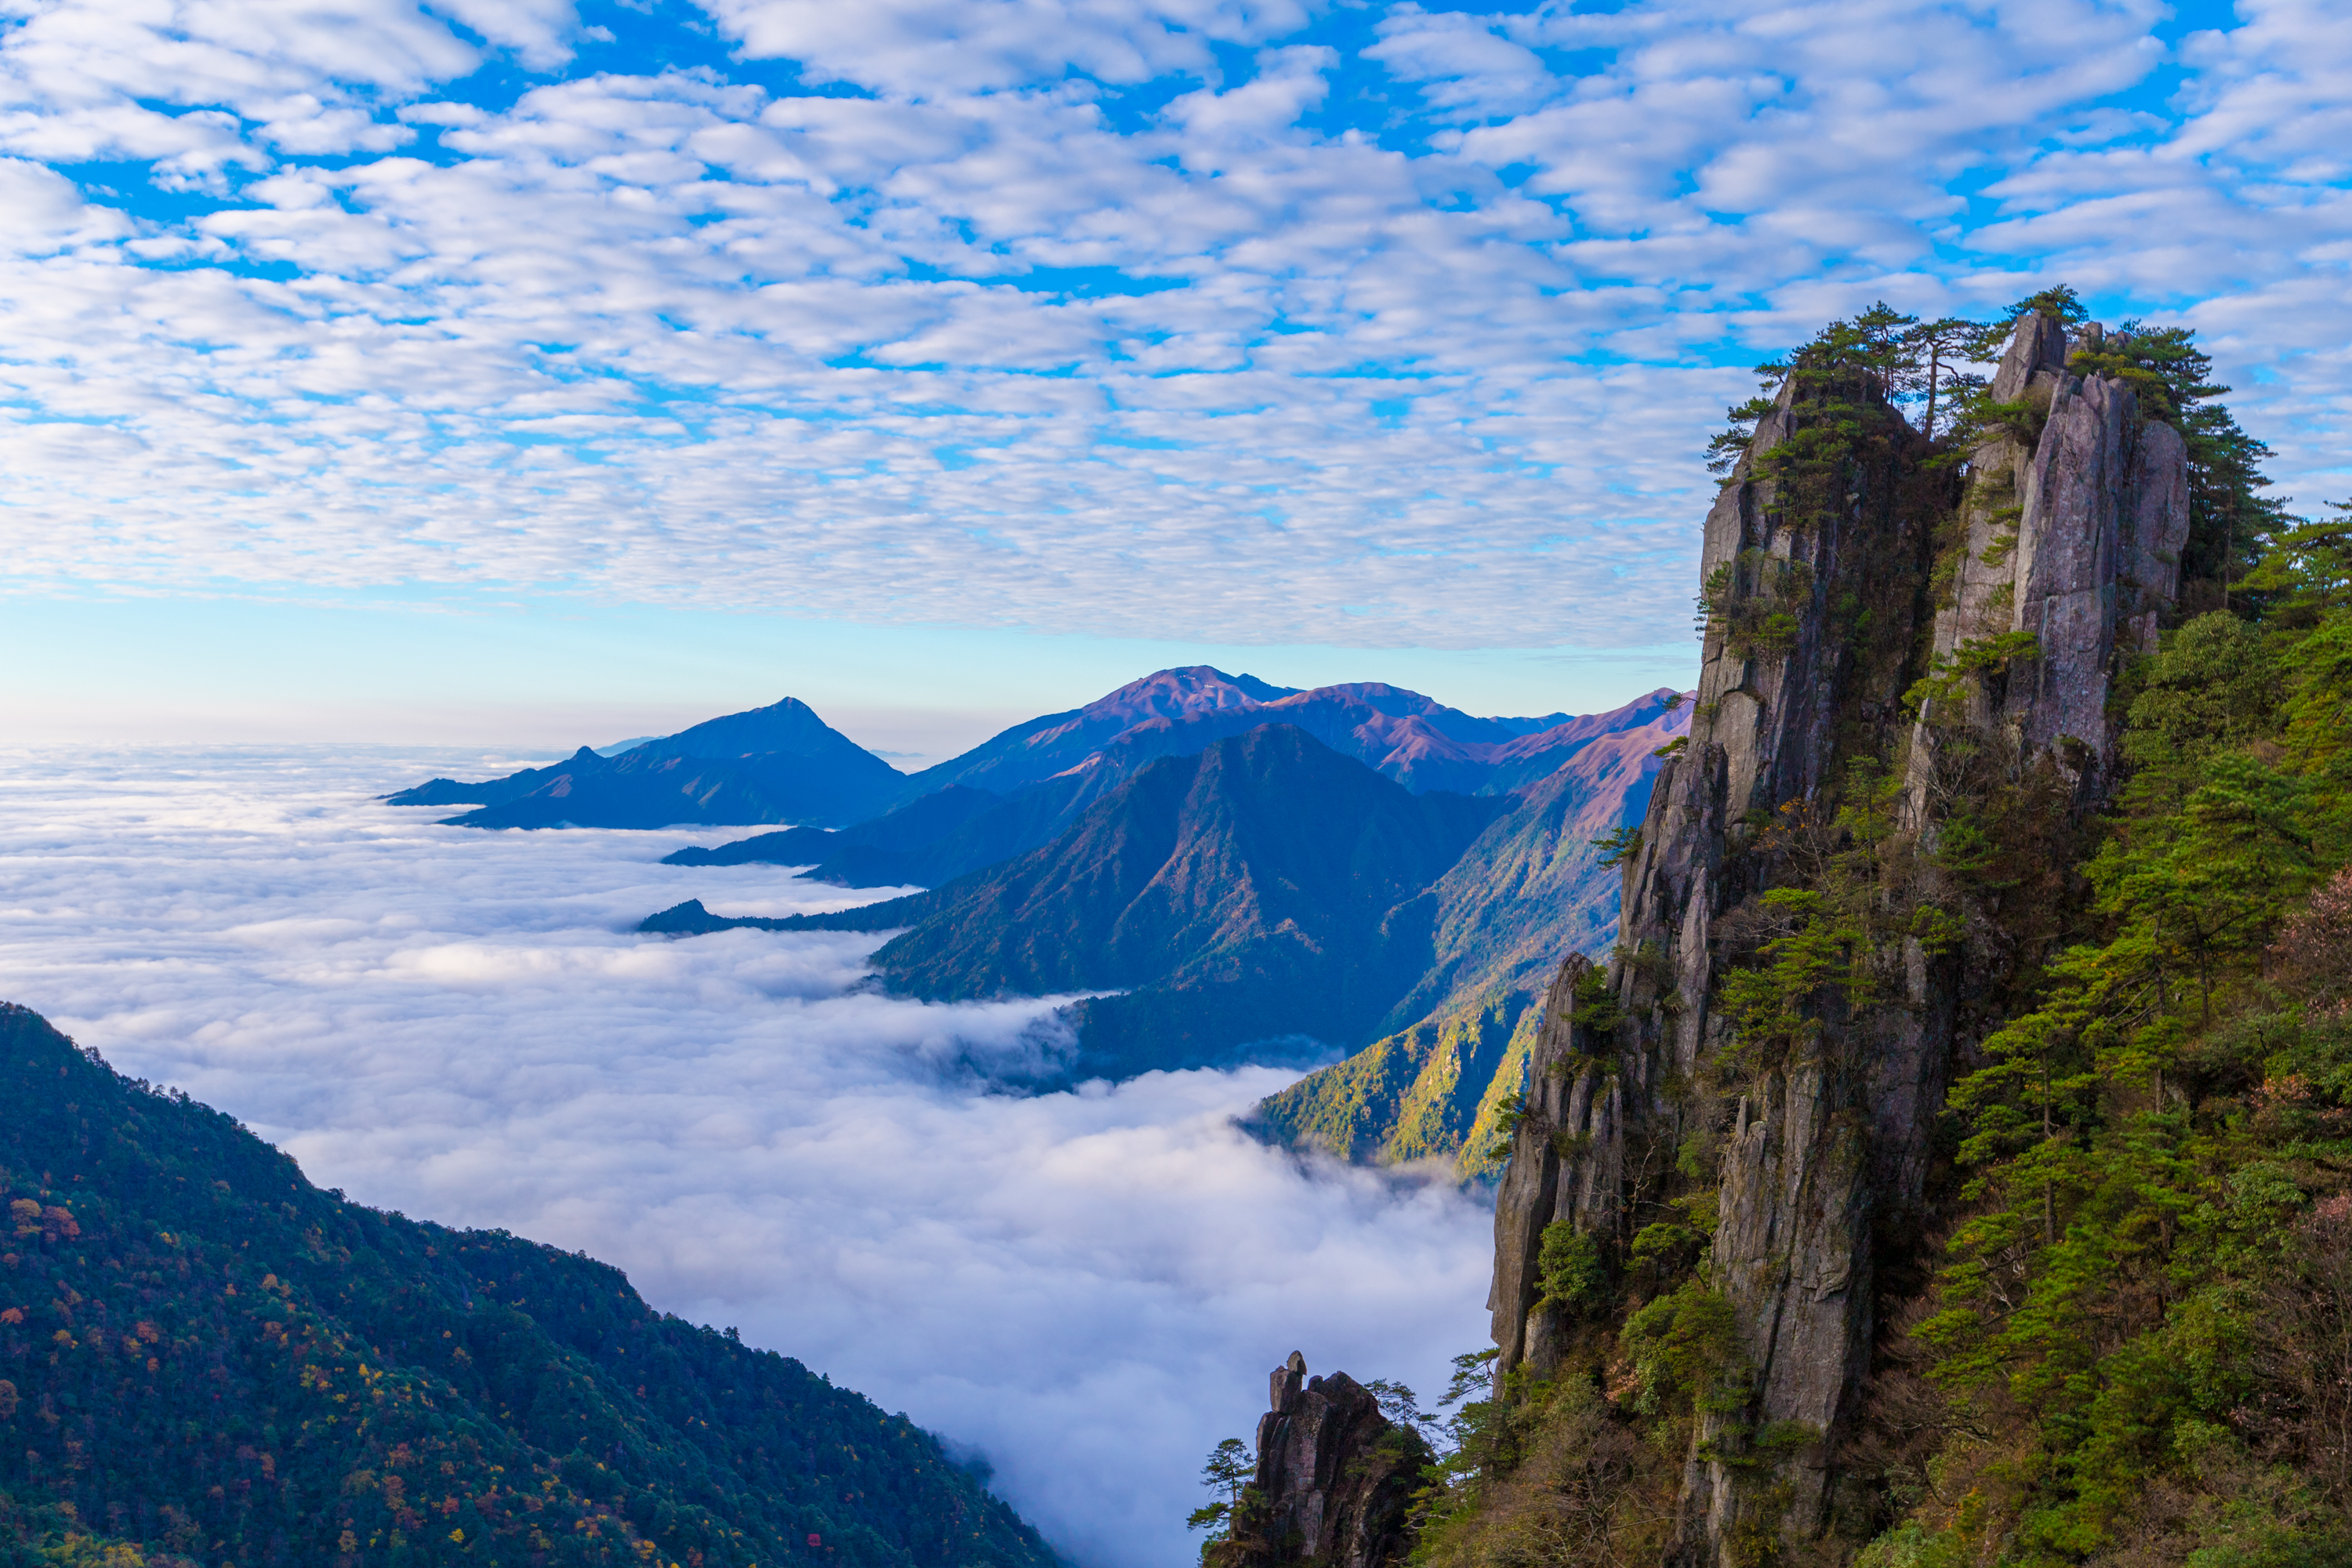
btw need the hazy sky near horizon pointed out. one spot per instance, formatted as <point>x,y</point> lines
<point>525,370</point>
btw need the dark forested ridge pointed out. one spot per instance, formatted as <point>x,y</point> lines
<point>1950,1166</point>
<point>205,1359</point>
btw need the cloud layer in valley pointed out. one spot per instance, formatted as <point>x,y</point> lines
<point>1087,1287</point>
<point>1185,318</point>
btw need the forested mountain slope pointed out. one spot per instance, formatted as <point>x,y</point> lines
<point>1951,1164</point>
<point>1540,881</point>
<point>205,1359</point>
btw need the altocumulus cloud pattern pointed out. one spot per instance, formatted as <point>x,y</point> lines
<point>1345,322</point>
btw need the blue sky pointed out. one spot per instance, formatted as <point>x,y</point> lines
<point>518,370</point>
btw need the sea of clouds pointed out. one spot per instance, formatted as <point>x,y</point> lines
<point>1087,1287</point>
<point>1369,323</point>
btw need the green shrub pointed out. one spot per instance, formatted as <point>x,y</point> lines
<point>1685,1352</point>
<point>1753,601</point>
<point>1571,1270</point>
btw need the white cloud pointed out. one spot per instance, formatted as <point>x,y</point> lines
<point>442,113</point>
<point>925,47</point>
<point>1088,1286</point>
<point>42,211</point>
<point>2270,94</point>
<point>1464,63</point>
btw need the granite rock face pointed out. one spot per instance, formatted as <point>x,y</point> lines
<point>2075,540</point>
<point>2072,521</point>
<point>1334,1479</point>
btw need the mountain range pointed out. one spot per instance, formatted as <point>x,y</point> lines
<point>1188,864</point>
<point>1022,788</point>
<point>783,763</point>
<point>204,1358</point>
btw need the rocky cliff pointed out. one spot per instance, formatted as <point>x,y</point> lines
<point>2073,538</point>
<point>1334,1479</point>
<point>1896,647</point>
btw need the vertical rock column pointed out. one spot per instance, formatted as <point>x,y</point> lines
<point>1567,1162</point>
<point>1334,1479</point>
<point>1611,1108</point>
<point>2074,540</point>
<point>2072,521</point>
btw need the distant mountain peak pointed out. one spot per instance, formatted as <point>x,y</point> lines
<point>786,725</point>
<point>776,763</point>
<point>1189,689</point>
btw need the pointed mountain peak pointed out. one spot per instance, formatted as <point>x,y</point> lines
<point>786,725</point>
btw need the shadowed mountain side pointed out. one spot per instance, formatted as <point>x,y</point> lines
<point>1240,895</point>
<point>1014,825</point>
<point>921,844</point>
<point>788,728</point>
<point>1532,888</point>
<point>919,823</point>
<point>642,788</point>
<point>1529,890</point>
<point>492,792</point>
<point>1516,764</point>
<point>777,764</point>
<point>204,1348</point>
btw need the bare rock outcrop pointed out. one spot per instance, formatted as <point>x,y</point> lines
<point>2072,537</point>
<point>1335,1480</point>
<point>2073,519</point>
